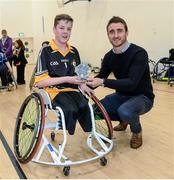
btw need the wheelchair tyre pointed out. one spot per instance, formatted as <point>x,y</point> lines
<point>29,127</point>
<point>103,125</point>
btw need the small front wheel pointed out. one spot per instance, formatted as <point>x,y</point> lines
<point>66,170</point>
<point>103,161</point>
<point>53,136</point>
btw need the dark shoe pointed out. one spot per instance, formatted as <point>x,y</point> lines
<point>121,127</point>
<point>136,140</point>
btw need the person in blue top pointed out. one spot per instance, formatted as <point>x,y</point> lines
<point>4,67</point>
<point>134,93</point>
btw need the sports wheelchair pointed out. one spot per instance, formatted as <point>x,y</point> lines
<point>31,139</point>
<point>164,69</point>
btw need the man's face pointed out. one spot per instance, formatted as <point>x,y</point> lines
<point>117,34</point>
<point>63,31</point>
<point>4,34</point>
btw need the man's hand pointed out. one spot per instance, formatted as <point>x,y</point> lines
<point>86,90</point>
<point>9,67</point>
<point>94,82</point>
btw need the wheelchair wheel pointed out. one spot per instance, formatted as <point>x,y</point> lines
<point>32,79</point>
<point>102,121</point>
<point>29,127</point>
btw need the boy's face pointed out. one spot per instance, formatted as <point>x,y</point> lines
<point>117,34</point>
<point>62,31</point>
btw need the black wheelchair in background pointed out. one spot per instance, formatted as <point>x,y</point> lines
<point>164,69</point>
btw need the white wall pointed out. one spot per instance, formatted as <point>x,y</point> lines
<point>16,16</point>
<point>150,23</point>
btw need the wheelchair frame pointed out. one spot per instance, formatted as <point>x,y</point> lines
<point>163,66</point>
<point>57,154</point>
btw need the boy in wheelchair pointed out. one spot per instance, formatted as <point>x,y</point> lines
<point>55,72</point>
<point>5,69</point>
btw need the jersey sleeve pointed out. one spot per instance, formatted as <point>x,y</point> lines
<point>41,66</point>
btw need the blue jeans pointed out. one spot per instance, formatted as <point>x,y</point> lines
<point>127,109</point>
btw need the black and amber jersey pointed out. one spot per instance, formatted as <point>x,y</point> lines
<point>54,63</point>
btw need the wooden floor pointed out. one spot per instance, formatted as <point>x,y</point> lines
<point>155,159</point>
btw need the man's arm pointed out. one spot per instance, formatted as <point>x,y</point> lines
<point>135,74</point>
<point>9,48</point>
<point>99,79</point>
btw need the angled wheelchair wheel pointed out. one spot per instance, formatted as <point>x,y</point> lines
<point>102,121</point>
<point>32,79</point>
<point>29,127</point>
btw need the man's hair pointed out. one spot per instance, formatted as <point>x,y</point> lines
<point>62,17</point>
<point>117,19</point>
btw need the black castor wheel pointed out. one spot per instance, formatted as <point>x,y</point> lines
<point>66,170</point>
<point>103,161</point>
<point>53,135</point>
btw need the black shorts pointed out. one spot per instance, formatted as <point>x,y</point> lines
<point>75,107</point>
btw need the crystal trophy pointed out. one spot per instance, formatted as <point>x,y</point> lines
<point>83,71</point>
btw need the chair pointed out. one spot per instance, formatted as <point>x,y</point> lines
<point>164,69</point>
<point>31,139</point>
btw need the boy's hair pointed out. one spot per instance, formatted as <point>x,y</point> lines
<point>62,17</point>
<point>117,19</point>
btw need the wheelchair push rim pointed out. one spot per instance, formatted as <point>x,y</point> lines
<point>29,127</point>
<point>102,121</point>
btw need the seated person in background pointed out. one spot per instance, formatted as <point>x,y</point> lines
<point>4,67</point>
<point>55,73</point>
<point>45,43</point>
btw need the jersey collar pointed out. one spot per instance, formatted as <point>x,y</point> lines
<point>54,47</point>
<point>124,48</point>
